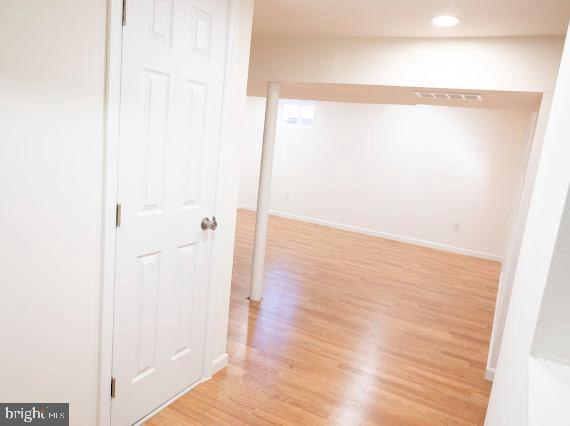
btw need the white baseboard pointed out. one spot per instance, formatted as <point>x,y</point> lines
<point>219,363</point>
<point>490,374</point>
<point>374,233</point>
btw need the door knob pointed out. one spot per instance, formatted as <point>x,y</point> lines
<point>209,223</point>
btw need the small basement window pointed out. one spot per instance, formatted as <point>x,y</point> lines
<point>295,113</point>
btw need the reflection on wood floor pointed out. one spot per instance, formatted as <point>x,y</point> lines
<point>352,330</point>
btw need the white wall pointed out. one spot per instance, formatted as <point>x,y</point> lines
<point>537,126</point>
<point>509,402</point>
<point>407,172</point>
<point>549,393</point>
<point>228,185</point>
<point>552,336</point>
<point>52,68</point>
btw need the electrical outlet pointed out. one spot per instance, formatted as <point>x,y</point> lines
<point>456,226</point>
<point>286,196</point>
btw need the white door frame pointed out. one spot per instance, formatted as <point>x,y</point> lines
<point>109,198</point>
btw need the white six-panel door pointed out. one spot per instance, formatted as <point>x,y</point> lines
<point>174,54</point>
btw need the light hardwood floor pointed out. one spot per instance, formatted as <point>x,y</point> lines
<point>352,330</point>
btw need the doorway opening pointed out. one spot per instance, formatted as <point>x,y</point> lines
<point>395,204</point>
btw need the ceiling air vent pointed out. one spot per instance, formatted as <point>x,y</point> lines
<point>449,96</point>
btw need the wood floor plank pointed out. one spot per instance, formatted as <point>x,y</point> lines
<point>352,329</point>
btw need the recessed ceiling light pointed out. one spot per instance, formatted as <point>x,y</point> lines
<point>445,21</point>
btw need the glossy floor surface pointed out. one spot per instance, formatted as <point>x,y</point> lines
<point>352,330</point>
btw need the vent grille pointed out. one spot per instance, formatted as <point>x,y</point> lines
<point>472,97</point>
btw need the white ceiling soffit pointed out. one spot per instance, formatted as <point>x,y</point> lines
<point>409,18</point>
<point>356,93</point>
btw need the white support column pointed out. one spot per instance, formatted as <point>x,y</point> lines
<point>264,192</point>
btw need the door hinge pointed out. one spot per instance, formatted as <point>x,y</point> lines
<point>124,12</point>
<point>113,386</point>
<point>118,216</point>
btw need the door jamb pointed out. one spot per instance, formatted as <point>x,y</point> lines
<point>114,34</point>
<point>109,231</point>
